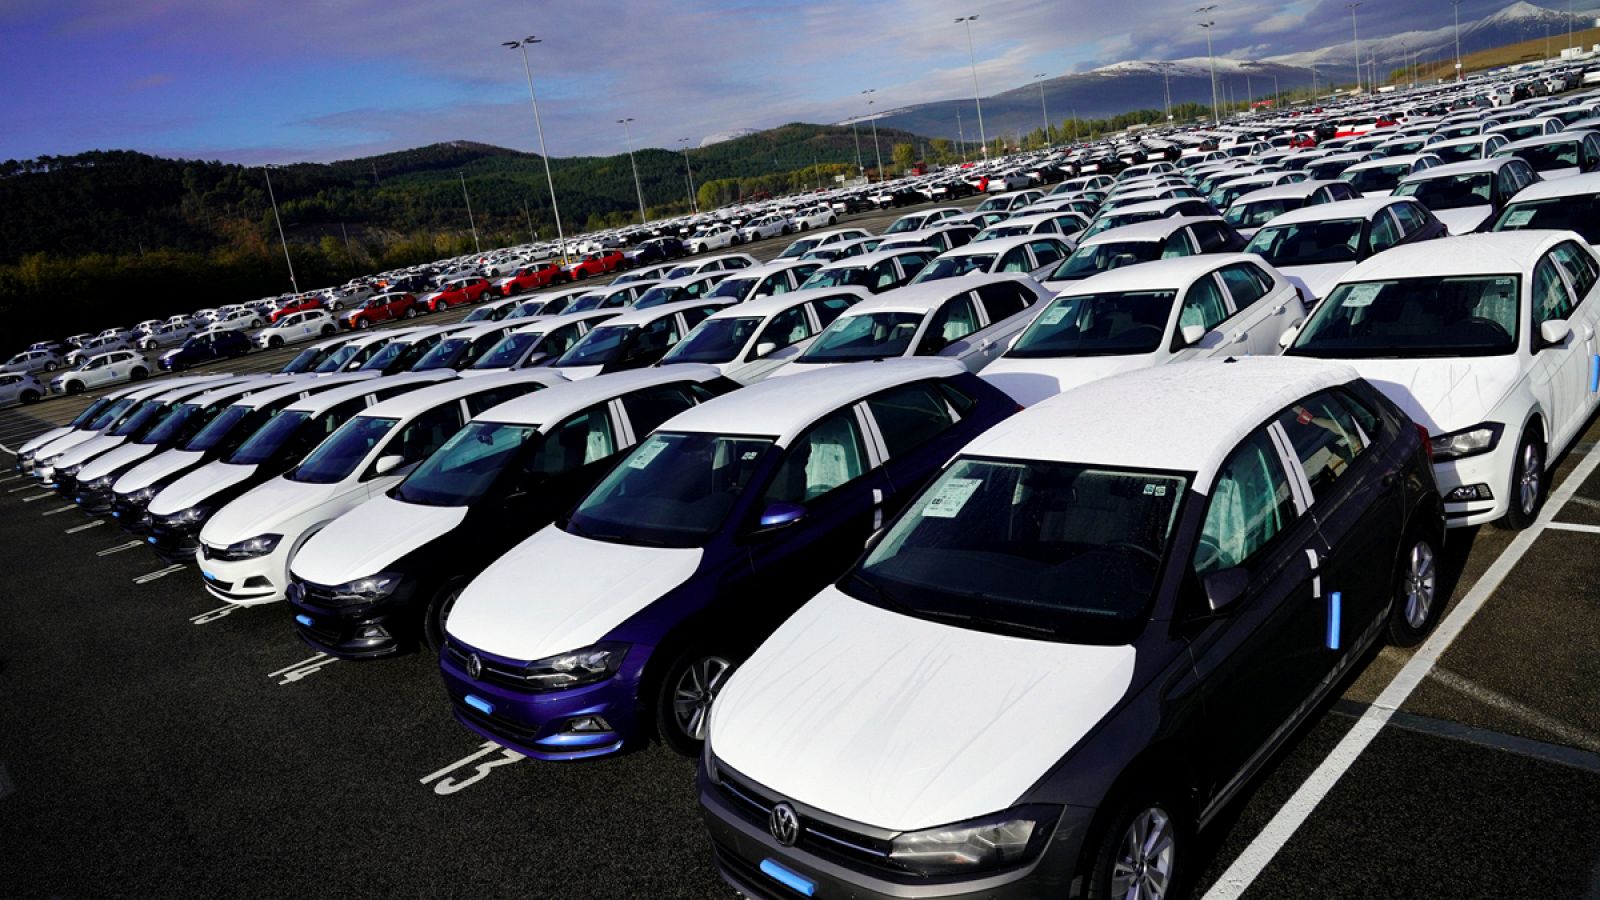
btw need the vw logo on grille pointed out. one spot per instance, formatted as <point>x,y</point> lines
<point>784,824</point>
<point>474,667</point>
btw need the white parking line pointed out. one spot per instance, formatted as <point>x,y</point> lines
<point>211,615</point>
<point>1249,864</point>
<point>26,487</point>
<point>119,548</point>
<point>303,668</point>
<point>38,496</point>
<point>1574,526</point>
<point>86,526</point>
<point>9,478</point>
<point>159,573</point>
<point>1575,737</point>
<point>58,510</point>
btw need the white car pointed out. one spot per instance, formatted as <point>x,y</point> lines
<point>810,217</point>
<point>764,227</point>
<point>101,369</point>
<point>1025,254</point>
<point>538,343</point>
<point>970,320</point>
<point>1467,195</point>
<point>20,388</point>
<point>166,334</point>
<point>97,416</point>
<point>878,271</point>
<point>770,279</point>
<point>712,237</point>
<point>1570,204</point>
<point>33,361</point>
<point>917,221</point>
<point>1560,155</point>
<point>111,414</point>
<point>718,263</point>
<point>1317,245</point>
<point>1161,312</point>
<point>747,342</point>
<point>635,339</point>
<point>297,327</point>
<point>803,245</point>
<point>1485,340</point>
<point>237,320</point>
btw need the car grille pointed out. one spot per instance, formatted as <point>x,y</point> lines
<point>513,731</point>
<point>493,672</point>
<point>843,845</point>
<point>750,877</point>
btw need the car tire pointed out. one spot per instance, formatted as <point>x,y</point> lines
<point>328,330</point>
<point>1527,489</point>
<point>50,367</point>
<point>255,323</point>
<point>363,324</point>
<point>274,342</point>
<point>684,695</point>
<point>138,374</point>
<point>582,274</point>
<point>74,387</point>
<point>1417,603</point>
<point>1142,839</point>
<point>337,305</point>
<point>437,611</point>
<point>805,226</point>
<point>833,220</point>
<point>411,312</point>
<point>29,397</point>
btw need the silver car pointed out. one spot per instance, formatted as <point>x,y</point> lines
<point>20,388</point>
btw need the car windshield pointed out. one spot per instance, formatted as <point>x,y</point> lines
<point>466,466</point>
<point>172,424</point>
<point>1309,243</point>
<point>1462,152</point>
<point>216,430</point>
<point>1114,324</point>
<point>1000,231</point>
<point>954,266</point>
<point>1260,212</point>
<point>878,335</point>
<point>1575,212</point>
<point>381,360</point>
<point>673,490</point>
<point>91,413</point>
<point>259,447</point>
<point>1043,550</point>
<point>799,248</point>
<point>481,314</point>
<point>909,223</point>
<point>841,276</point>
<point>1534,129</point>
<point>307,358</point>
<point>335,458</point>
<point>1108,222</point>
<point>1097,258</point>
<point>1554,155</point>
<point>443,355</point>
<point>508,352</point>
<point>1452,192</point>
<point>337,359</point>
<point>146,414</point>
<point>586,303</point>
<point>714,341</point>
<point>1411,317</point>
<point>599,346</point>
<point>1377,178</point>
<point>110,414</point>
<point>661,295</point>
<point>733,288</point>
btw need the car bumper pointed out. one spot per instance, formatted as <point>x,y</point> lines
<point>1485,472</point>
<point>366,632</point>
<point>173,544</point>
<point>96,503</point>
<point>246,582</point>
<point>540,725</point>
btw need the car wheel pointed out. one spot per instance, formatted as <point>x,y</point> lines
<point>1138,853</point>
<point>255,323</point>
<point>1527,484</point>
<point>582,274</point>
<point>1416,592</point>
<point>411,312</point>
<point>833,220</point>
<point>50,366</point>
<point>30,397</point>
<point>74,387</point>
<point>684,697</point>
<point>138,374</point>
<point>329,329</point>
<point>363,324</point>
<point>438,610</point>
<point>274,342</point>
<point>337,305</point>
<point>805,226</point>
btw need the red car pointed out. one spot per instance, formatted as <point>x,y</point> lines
<point>457,292</point>
<point>301,304</point>
<point>530,278</point>
<point>596,264</point>
<point>382,308</point>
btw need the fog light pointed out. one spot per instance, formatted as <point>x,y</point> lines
<point>584,724</point>
<point>374,631</point>
<point>1468,492</point>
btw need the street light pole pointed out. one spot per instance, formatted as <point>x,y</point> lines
<point>877,151</point>
<point>476,247</point>
<point>627,138</point>
<point>694,201</point>
<point>1043,109</point>
<point>1166,88</point>
<point>861,168</point>
<point>1355,39</point>
<point>555,210</point>
<point>278,219</point>
<point>1455,6</point>
<point>1216,111</point>
<point>961,136</point>
<point>977,95</point>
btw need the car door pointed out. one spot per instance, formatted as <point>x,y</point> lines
<point>950,331</point>
<point>1205,304</point>
<point>906,422</point>
<point>1263,308</point>
<point>1582,269</point>
<point>1560,372</point>
<point>1260,658</point>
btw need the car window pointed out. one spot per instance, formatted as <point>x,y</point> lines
<point>1250,504</point>
<point>1211,236</point>
<point>1046,252</point>
<point>657,336</point>
<point>1550,298</point>
<point>1177,245</point>
<point>1385,233</point>
<point>649,407</point>
<point>477,403</point>
<point>1325,438</point>
<point>829,455</point>
<point>1412,219</point>
<point>1003,300</point>
<point>830,308</point>
<point>788,327</point>
<point>909,416</point>
<point>577,441</point>
<point>427,433</point>
<point>953,321</point>
<point>1203,305</point>
<point>1580,266</point>
<point>1245,283</point>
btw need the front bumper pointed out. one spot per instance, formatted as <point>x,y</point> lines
<point>540,725</point>
<point>1490,470</point>
<point>130,516</point>
<point>173,543</point>
<point>368,631</point>
<point>95,502</point>
<point>246,582</point>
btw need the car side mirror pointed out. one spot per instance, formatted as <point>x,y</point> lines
<point>1554,332</point>
<point>387,464</point>
<point>1192,334</point>
<point>766,347</point>
<point>781,515</point>
<point>1224,587</point>
<point>1288,336</point>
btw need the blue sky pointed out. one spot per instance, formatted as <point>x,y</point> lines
<point>287,80</point>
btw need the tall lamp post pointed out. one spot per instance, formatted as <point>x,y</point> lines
<point>1216,110</point>
<point>977,95</point>
<point>1166,89</point>
<point>1043,109</point>
<point>555,210</point>
<point>276,218</point>
<point>1455,6</point>
<point>694,201</point>
<point>476,247</point>
<point>1355,40</point>
<point>627,138</point>
<point>876,150</point>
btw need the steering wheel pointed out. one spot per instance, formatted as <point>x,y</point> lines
<point>1136,549</point>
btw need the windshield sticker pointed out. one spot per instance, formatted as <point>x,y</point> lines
<point>647,453</point>
<point>1155,490</point>
<point>1517,218</point>
<point>947,501</point>
<point>1053,315</point>
<point>1362,295</point>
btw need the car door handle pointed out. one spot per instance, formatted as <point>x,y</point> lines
<point>1588,332</point>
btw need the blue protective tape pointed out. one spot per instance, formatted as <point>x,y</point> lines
<point>1594,374</point>
<point>787,878</point>
<point>479,704</point>
<point>1333,620</point>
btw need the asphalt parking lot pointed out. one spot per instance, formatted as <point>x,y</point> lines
<point>152,743</point>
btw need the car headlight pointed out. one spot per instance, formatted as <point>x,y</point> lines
<point>143,495</point>
<point>98,484</point>
<point>70,471</point>
<point>1467,442</point>
<point>991,842</point>
<point>575,669</point>
<point>185,518</point>
<point>370,589</point>
<point>250,548</point>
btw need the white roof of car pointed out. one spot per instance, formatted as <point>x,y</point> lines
<point>773,304</point>
<point>541,324</point>
<point>1161,274</point>
<point>299,384</point>
<point>998,245</point>
<point>325,400</point>
<point>1283,191</point>
<point>1144,206</point>
<point>1190,415</point>
<point>1152,230</point>
<point>414,403</point>
<point>1496,253</point>
<point>783,407</point>
<point>236,389</point>
<point>1450,170</point>
<point>927,295</point>
<point>1363,208</point>
<point>1585,184</point>
<point>862,260</point>
<point>563,398</point>
<point>637,317</point>
<point>1387,161</point>
<point>1575,134</point>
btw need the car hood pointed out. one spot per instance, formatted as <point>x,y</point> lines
<point>877,717</point>
<point>47,437</point>
<point>1464,220</point>
<point>574,373</point>
<point>1443,395</point>
<point>156,468</point>
<point>585,589</point>
<point>65,443</point>
<point>1553,174</point>
<point>370,537</point>
<point>264,507</point>
<point>196,486</point>
<point>1030,380</point>
<point>87,450</point>
<point>1318,279</point>
<point>110,462</point>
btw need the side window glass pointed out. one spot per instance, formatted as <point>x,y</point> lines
<point>560,340</point>
<point>1177,245</point>
<point>830,308</point>
<point>1550,297</point>
<point>1250,504</point>
<point>582,439</point>
<point>1203,305</point>
<point>1211,238</point>
<point>693,317</point>
<point>648,408</point>
<point>788,327</point>
<point>1325,439</point>
<point>1384,233</point>
<point>1243,284</point>
<point>1580,266</point>
<point>955,320</point>
<point>829,455</point>
<point>775,285</point>
<point>909,416</point>
<point>1004,300</point>
<point>427,433</point>
<point>657,337</point>
<point>884,274</point>
<point>1046,252</point>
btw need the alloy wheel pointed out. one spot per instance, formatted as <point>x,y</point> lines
<point>697,688</point>
<point>1530,482</point>
<point>1143,870</point>
<point>1420,581</point>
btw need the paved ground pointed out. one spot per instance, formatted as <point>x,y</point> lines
<point>153,744</point>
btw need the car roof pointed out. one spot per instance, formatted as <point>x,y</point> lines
<point>1576,134</point>
<point>176,392</point>
<point>1153,230</point>
<point>298,384</point>
<point>563,398</point>
<point>479,329</point>
<point>999,244</point>
<point>413,403</point>
<point>1161,274</point>
<point>1190,415</point>
<point>1291,189</point>
<point>234,391</point>
<point>773,304</point>
<point>1467,167</point>
<point>1364,208</point>
<point>1585,184</point>
<point>1145,206</point>
<point>324,400</point>
<point>927,295</point>
<point>866,259</point>
<point>542,324</point>
<point>1386,161</point>
<point>783,407</point>
<point>645,316</point>
<point>1494,253</point>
